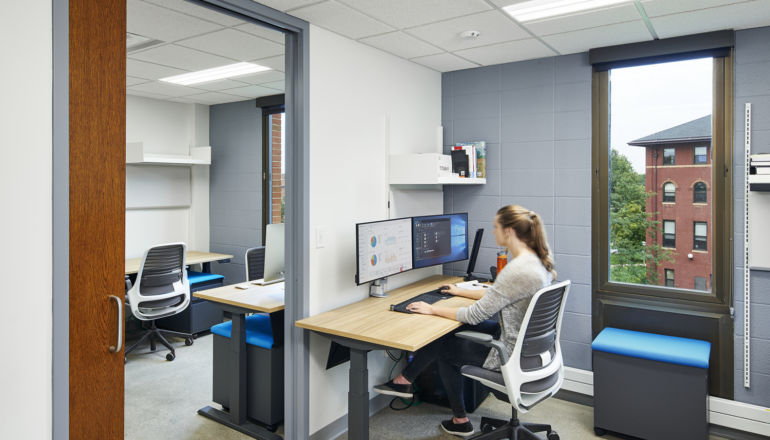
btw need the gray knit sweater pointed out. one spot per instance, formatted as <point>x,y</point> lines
<point>511,294</point>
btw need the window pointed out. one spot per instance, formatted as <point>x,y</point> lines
<point>701,238</point>
<point>700,284</point>
<point>699,193</point>
<point>668,156</point>
<point>669,233</point>
<point>669,193</point>
<point>670,278</point>
<point>701,155</point>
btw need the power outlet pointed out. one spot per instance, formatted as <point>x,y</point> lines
<point>319,237</point>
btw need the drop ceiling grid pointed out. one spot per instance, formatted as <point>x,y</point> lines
<point>196,38</point>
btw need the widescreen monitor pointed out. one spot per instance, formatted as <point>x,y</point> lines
<point>383,248</point>
<point>440,239</point>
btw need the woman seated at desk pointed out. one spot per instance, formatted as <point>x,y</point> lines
<point>521,231</point>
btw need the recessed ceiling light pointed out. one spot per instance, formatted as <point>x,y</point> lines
<point>537,9</point>
<point>217,73</point>
<point>136,42</point>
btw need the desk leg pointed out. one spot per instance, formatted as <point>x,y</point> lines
<point>206,267</point>
<point>238,369</point>
<point>358,396</point>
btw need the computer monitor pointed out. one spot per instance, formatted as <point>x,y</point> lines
<point>274,254</point>
<point>383,248</point>
<point>440,239</point>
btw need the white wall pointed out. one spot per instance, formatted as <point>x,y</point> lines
<point>353,87</point>
<point>167,128</point>
<point>26,224</point>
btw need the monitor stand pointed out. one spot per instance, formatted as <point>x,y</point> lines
<point>377,289</point>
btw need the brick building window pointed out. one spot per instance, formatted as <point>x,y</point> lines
<point>670,278</point>
<point>700,241</point>
<point>700,284</point>
<point>277,180</point>
<point>669,193</point>
<point>701,155</point>
<point>699,192</point>
<point>669,233</point>
<point>668,156</point>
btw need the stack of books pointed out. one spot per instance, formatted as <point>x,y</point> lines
<point>469,159</point>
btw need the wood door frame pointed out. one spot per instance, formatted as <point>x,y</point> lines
<point>297,210</point>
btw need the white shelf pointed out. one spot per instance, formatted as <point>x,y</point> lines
<point>136,155</point>
<point>461,181</point>
<point>416,171</point>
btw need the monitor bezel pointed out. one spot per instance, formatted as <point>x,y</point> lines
<point>414,260</point>
<point>358,263</point>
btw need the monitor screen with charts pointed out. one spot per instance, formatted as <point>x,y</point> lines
<point>383,248</point>
<point>440,239</point>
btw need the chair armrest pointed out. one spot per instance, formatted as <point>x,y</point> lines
<point>488,341</point>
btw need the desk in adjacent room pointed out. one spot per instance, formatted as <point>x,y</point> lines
<point>370,325</point>
<point>237,303</point>
<point>191,257</point>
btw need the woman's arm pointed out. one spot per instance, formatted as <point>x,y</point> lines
<point>428,309</point>
<point>456,291</point>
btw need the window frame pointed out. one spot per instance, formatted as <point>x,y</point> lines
<point>666,197</point>
<point>266,162</point>
<point>695,236</point>
<point>695,155</point>
<point>705,284</point>
<point>695,193</point>
<point>672,156</point>
<point>672,279</point>
<point>663,224</point>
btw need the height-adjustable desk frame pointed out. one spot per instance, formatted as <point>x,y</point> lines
<point>370,325</point>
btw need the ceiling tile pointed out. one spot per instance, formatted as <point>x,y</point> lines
<point>278,85</point>
<point>164,24</point>
<point>285,5</point>
<point>614,34</point>
<point>409,13</point>
<point>656,8</point>
<point>444,62</point>
<point>160,88</point>
<point>189,101</point>
<point>401,44</point>
<point>585,20</point>
<point>337,18</point>
<point>145,95</point>
<point>198,11</point>
<point>507,52</point>
<point>234,44</point>
<point>504,3</point>
<point>150,71</point>
<point>253,91</point>
<point>263,32</point>
<point>131,81</point>
<point>220,85</point>
<point>215,98</point>
<point>493,25</point>
<point>276,63</point>
<point>181,57</point>
<point>736,16</point>
<point>262,77</point>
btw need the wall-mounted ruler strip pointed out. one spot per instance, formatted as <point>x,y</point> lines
<point>746,270</point>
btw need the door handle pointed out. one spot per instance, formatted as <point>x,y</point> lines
<point>114,349</point>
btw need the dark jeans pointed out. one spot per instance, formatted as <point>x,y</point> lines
<point>452,353</point>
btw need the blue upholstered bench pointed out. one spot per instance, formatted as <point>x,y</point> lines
<point>650,386</point>
<point>200,279</point>
<point>264,374</point>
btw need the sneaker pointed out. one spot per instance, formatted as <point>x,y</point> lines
<point>394,389</point>
<point>459,429</point>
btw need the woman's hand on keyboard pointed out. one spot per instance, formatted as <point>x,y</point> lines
<point>420,307</point>
<point>450,289</point>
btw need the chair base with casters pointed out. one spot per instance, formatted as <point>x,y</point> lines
<point>155,335</point>
<point>496,429</point>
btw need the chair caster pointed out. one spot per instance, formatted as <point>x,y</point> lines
<point>553,435</point>
<point>486,428</point>
<point>170,357</point>
<point>599,431</point>
<point>188,342</point>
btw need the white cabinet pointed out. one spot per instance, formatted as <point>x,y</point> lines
<point>425,169</point>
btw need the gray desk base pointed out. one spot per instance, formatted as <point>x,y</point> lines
<point>236,419</point>
<point>358,391</point>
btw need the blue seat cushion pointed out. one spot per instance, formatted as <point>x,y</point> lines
<point>199,277</point>
<point>669,349</point>
<point>258,330</point>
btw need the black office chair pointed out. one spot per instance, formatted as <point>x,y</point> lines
<point>535,370</point>
<point>161,290</point>
<point>255,263</point>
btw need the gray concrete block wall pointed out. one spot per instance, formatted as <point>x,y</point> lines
<point>535,117</point>
<point>752,85</point>
<point>235,200</point>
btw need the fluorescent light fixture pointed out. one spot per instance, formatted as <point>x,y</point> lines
<point>537,9</point>
<point>217,73</point>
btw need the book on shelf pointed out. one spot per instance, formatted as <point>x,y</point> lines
<point>460,163</point>
<point>478,157</point>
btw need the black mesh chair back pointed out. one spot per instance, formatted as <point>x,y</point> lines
<point>255,263</point>
<point>538,345</point>
<point>161,287</point>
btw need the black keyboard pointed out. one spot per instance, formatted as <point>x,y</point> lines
<point>431,297</point>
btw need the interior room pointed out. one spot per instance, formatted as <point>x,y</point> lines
<point>391,219</point>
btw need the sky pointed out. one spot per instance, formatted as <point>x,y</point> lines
<point>648,99</point>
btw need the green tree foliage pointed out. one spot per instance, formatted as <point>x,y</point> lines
<point>633,232</point>
<point>283,209</point>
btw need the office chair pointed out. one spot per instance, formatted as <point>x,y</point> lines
<point>161,290</point>
<point>535,370</point>
<point>255,263</point>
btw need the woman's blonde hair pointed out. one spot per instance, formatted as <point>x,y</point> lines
<point>529,229</point>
